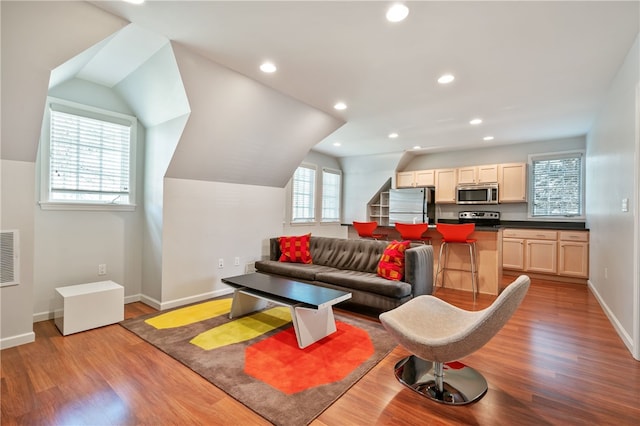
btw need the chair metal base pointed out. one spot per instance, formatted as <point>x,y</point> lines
<point>459,384</point>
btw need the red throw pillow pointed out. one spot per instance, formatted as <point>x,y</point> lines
<point>391,265</point>
<point>295,249</point>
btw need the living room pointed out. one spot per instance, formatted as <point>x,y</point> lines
<point>201,200</point>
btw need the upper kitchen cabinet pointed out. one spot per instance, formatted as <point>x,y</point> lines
<point>418,178</point>
<point>478,174</point>
<point>446,186</point>
<point>512,181</point>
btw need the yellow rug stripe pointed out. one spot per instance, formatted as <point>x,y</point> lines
<point>243,329</point>
<point>191,314</point>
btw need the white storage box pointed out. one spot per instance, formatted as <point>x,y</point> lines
<point>85,306</point>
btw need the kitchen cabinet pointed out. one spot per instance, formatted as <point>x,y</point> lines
<point>513,253</point>
<point>445,180</point>
<point>512,182</point>
<point>530,250</point>
<point>573,254</point>
<point>562,253</point>
<point>414,179</point>
<point>540,256</point>
<point>478,174</point>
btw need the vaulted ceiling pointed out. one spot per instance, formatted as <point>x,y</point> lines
<point>530,70</point>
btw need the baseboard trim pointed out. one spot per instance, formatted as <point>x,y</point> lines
<point>156,304</point>
<point>20,339</point>
<point>626,338</point>
<point>43,316</point>
<point>193,299</point>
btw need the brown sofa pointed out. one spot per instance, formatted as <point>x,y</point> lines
<point>351,265</point>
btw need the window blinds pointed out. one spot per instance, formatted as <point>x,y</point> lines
<point>89,159</point>
<point>557,186</point>
<point>304,180</point>
<point>330,196</point>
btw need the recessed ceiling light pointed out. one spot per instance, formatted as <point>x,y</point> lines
<point>393,135</point>
<point>446,79</point>
<point>398,12</point>
<point>475,121</point>
<point>337,144</point>
<point>268,67</point>
<point>487,138</point>
<point>134,1</point>
<point>340,106</point>
<point>417,147</point>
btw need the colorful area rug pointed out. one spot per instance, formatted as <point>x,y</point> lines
<point>256,358</point>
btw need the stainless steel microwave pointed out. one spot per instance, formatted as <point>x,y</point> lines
<point>477,194</point>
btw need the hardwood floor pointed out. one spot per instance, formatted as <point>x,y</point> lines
<point>557,361</point>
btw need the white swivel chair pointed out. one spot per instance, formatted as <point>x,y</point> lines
<point>438,334</point>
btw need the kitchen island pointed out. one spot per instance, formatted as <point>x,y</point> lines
<point>489,258</point>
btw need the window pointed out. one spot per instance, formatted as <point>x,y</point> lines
<point>303,194</point>
<point>331,195</point>
<point>87,162</point>
<point>557,184</point>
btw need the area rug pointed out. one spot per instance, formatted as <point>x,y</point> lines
<point>256,358</point>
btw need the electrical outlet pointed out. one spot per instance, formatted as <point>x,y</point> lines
<point>236,261</point>
<point>102,269</point>
<point>221,263</point>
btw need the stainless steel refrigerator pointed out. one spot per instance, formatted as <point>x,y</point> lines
<point>409,205</point>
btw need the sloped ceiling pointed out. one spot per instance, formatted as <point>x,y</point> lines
<point>241,131</point>
<point>36,38</point>
<point>533,70</point>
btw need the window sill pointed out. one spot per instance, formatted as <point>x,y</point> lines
<point>55,205</point>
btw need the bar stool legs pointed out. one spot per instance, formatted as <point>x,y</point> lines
<point>442,265</point>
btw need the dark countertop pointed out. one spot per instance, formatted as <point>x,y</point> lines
<point>527,224</point>
<point>520,224</point>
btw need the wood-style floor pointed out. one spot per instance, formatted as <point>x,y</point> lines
<point>557,361</point>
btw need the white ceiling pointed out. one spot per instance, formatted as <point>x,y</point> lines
<point>531,70</point>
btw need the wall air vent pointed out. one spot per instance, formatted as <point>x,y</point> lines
<point>9,252</point>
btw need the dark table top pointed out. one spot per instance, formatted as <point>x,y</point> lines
<point>290,290</point>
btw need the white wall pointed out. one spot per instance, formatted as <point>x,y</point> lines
<point>206,221</point>
<point>33,44</point>
<point>17,189</point>
<point>69,245</point>
<point>160,145</point>
<point>363,176</point>
<point>612,175</point>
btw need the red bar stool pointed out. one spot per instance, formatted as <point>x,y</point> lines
<point>413,232</point>
<point>457,234</point>
<point>365,230</point>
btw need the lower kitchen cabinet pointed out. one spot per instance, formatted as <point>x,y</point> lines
<point>548,252</point>
<point>573,254</point>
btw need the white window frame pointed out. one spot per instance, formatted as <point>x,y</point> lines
<point>46,203</point>
<point>324,198</point>
<point>557,156</point>
<point>310,220</point>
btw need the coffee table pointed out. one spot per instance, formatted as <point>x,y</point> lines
<point>310,305</point>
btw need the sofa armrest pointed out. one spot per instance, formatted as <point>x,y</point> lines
<point>274,249</point>
<point>419,269</point>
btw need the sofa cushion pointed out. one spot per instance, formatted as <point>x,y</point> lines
<point>295,249</point>
<point>365,281</point>
<point>301,271</point>
<point>354,255</point>
<point>391,265</point>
